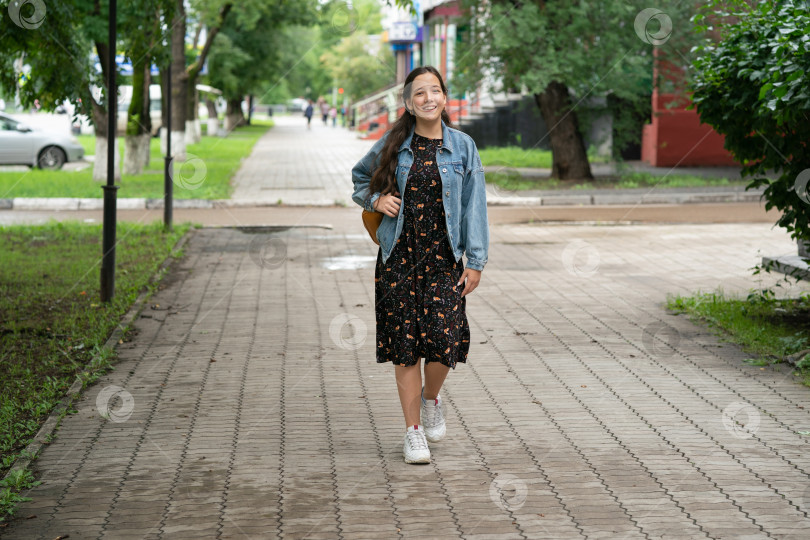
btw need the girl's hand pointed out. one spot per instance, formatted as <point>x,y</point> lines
<point>388,204</point>
<point>473,277</point>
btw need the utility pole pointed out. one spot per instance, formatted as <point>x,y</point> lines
<point>110,190</point>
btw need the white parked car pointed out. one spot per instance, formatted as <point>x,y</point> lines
<point>21,145</point>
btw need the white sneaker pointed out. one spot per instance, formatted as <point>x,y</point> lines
<point>415,446</point>
<point>433,419</point>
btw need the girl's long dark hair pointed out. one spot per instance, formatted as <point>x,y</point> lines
<point>383,179</point>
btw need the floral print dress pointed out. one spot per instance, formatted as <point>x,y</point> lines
<point>419,308</point>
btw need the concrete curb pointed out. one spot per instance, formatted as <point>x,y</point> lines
<point>624,197</point>
<point>791,265</point>
<point>53,420</point>
<point>795,267</point>
<point>494,198</point>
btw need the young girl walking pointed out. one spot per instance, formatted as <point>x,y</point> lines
<point>427,180</point>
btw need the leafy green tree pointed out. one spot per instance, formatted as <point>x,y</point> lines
<point>300,49</point>
<point>357,70</point>
<point>340,19</point>
<point>56,47</point>
<point>57,42</point>
<point>142,38</point>
<point>245,58</point>
<point>302,72</point>
<point>210,15</point>
<point>752,86</point>
<point>564,53</point>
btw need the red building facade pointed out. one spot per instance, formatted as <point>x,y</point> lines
<point>676,137</point>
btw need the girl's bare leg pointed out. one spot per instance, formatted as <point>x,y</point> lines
<point>435,373</point>
<point>409,386</point>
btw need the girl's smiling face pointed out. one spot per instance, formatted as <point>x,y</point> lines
<point>427,99</point>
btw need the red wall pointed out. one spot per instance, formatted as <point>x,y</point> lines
<point>677,138</point>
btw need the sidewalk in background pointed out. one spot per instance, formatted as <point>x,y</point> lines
<point>293,166</point>
<point>350,216</point>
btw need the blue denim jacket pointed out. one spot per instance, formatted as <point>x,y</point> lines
<point>463,194</point>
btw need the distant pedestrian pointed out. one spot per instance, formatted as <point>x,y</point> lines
<point>308,113</point>
<point>343,116</point>
<point>333,116</point>
<point>420,282</point>
<point>324,111</point>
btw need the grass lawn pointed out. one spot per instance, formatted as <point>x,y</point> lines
<point>766,327</point>
<point>52,322</point>
<point>512,181</point>
<point>514,156</point>
<point>220,156</point>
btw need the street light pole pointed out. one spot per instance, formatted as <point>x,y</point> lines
<point>110,190</point>
<point>167,160</point>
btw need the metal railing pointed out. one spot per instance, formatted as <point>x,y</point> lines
<point>378,103</point>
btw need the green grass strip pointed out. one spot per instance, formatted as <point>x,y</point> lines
<point>52,322</point>
<point>220,158</point>
<point>766,327</point>
<point>517,157</point>
<point>512,181</point>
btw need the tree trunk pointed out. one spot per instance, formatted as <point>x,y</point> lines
<point>179,81</point>
<point>139,122</point>
<point>136,153</point>
<point>234,117</point>
<point>162,76</point>
<point>193,71</point>
<point>569,157</point>
<point>100,164</point>
<point>193,134</point>
<point>213,118</point>
<point>100,124</point>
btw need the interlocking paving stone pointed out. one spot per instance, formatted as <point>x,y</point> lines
<point>585,409</point>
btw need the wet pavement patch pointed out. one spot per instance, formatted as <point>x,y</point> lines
<point>348,262</point>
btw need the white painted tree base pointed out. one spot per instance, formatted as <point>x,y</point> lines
<point>136,153</point>
<point>193,131</point>
<point>100,164</point>
<point>231,121</point>
<point>178,143</point>
<point>212,127</point>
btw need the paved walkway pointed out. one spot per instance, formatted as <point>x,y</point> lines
<point>248,403</point>
<point>298,166</point>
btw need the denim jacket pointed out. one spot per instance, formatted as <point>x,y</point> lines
<point>463,194</point>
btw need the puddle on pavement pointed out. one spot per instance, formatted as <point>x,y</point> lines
<point>348,262</point>
<point>344,236</point>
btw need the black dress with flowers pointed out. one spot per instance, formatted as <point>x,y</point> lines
<point>419,308</point>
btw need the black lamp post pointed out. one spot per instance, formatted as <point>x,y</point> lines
<point>167,160</point>
<point>110,190</point>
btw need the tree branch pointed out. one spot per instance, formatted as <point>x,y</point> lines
<point>196,67</point>
<point>196,40</point>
